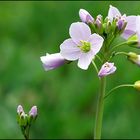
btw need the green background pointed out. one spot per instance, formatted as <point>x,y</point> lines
<point>66,97</point>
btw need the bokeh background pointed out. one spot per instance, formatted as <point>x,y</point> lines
<point>66,97</point>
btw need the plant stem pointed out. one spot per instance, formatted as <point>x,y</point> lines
<point>118,53</point>
<point>95,66</point>
<point>27,132</point>
<point>99,111</point>
<point>125,85</point>
<point>121,44</point>
<point>123,53</point>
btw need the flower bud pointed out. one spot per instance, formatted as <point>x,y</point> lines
<point>137,85</point>
<point>98,23</point>
<point>134,58</point>
<point>98,26</point>
<point>20,110</point>
<point>100,17</point>
<point>106,19</point>
<point>107,69</point>
<point>33,112</point>
<point>108,27</point>
<point>85,16</point>
<point>23,120</point>
<point>52,61</point>
<point>120,24</point>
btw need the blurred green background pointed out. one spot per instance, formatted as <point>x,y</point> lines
<point>66,97</point>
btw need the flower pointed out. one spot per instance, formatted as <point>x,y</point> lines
<point>123,20</point>
<point>107,69</point>
<point>52,61</point>
<point>85,16</point>
<point>133,57</point>
<point>33,111</point>
<point>20,110</point>
<point>82,45</point>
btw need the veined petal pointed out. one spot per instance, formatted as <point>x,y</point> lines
<point>96,42</point>
<point>113,12</point>
<point>130,28</point>
<point>52,61</point>
<point>85,60</point>
<point>131,23</point>
<point>69,50</point>
<point>79,31</point>
<point>127,33</point>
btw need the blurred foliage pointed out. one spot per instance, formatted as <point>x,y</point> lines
<point>66,97</point>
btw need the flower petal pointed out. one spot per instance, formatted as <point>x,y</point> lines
<point>96,42</point>
<point>113,12</point>
<point>85,60</point>
<point>130,28</point>
<point>52,61</point>
<point>69,50</point>
<point>138,27</point>
<point>79,31</point>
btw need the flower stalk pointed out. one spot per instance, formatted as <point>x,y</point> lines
<point>125,85</point>
<point>100,109</point>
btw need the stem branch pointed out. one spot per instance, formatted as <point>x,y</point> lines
<point>121,44</point>
<point>95,66</point>
<point>125,85</point>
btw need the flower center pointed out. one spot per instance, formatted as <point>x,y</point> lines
<point>85,47</point>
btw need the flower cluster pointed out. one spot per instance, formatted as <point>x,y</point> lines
<point>25,120</point>
<point>93,36</point>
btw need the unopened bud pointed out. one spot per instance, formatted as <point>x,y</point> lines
<point>108,27</point>
<point>23,119</point>
<point>98,26</point>
<point>137,85</point>
<point>85,16</point>
<point>33,111</point>
<point>120,24</point>
<point>20,110</point>
<point>98,23</point>
<point>100,17</point>
<point>134,58</point>
<point>107,69</point>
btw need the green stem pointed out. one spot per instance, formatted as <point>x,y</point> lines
<point>95,66</point>
<point>125,85</point>
<point>99,58</point>
<point>121,44</point>
<point>27,132</point>
<point>99,111</point>
<point>118,53</point>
